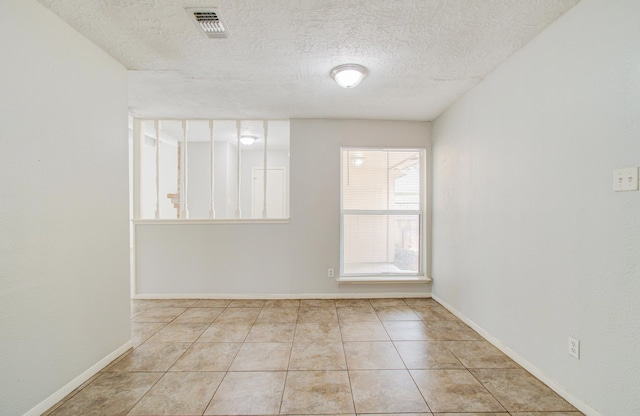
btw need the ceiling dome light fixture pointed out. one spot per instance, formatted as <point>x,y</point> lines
<point>349,75</point>
<point>248,139</point>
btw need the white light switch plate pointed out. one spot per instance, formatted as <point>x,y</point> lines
<point>625,179</point>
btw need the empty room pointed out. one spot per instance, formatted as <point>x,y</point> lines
<point>314,207</point>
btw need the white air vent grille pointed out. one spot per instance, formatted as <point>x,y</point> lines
<point>209,22</point>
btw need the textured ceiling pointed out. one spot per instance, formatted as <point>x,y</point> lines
<point>421,54</point>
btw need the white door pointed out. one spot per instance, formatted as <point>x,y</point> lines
<point>276,192</point>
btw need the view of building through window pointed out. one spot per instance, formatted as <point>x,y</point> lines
<point>382,211</point>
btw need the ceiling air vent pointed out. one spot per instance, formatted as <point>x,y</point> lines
<point>209,22</point>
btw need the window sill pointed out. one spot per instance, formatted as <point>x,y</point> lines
<point>383,279</point>
<point>207,221</point>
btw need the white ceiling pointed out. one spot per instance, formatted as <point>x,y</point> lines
<point>421,54</point>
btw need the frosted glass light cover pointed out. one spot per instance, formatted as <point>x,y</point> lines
<point>247,139</point>
<point>349,75</point>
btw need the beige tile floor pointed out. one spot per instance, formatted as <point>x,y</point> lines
<point>307,357</point>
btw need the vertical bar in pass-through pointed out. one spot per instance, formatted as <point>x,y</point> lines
<point>238,213</point>
<point>212,208</point>
<point>138,146</point>
<point>184,179</point>
<point>264,192</point>
<point>157,127</point>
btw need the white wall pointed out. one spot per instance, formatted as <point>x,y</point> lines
<point>275,258</point>
<point>63,211</point>
<point>530,242</point>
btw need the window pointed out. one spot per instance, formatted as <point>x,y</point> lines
<point>211,169</point>
<point>382,212</point>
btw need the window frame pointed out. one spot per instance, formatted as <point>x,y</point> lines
<point>418,277</point>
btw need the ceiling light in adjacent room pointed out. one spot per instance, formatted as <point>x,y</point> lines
<point>357,159</point>
<point>349,75</point>
<point>248,139</point>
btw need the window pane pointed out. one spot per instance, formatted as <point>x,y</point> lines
<point>404,180</point>
<point>364,179</point>
<point>381,244</point>
<point>380,180</point>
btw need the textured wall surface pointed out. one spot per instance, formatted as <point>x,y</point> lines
<point>421,54</point>
<point>530,241</point>
<point>63,211</point>
<point>275,258</point>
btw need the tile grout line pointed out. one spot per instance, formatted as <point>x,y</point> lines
<point>234,357</point>
<point>488,391</point>
<point>346,363</point>
<point>464,367</point>
<point>419,391</point>
<point>407,368</point>
<point>215,391</point>
<point>286,377</point>
<point>147,392</point>
<point>177,359</point>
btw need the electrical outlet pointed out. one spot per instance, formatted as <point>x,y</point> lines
<point>574,347</point>
<point>330,272</point>
<point>625,179</point>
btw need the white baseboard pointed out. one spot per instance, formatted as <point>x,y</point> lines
<point>283,295</point>
<point>77,382</point>
<point>551,383</point>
